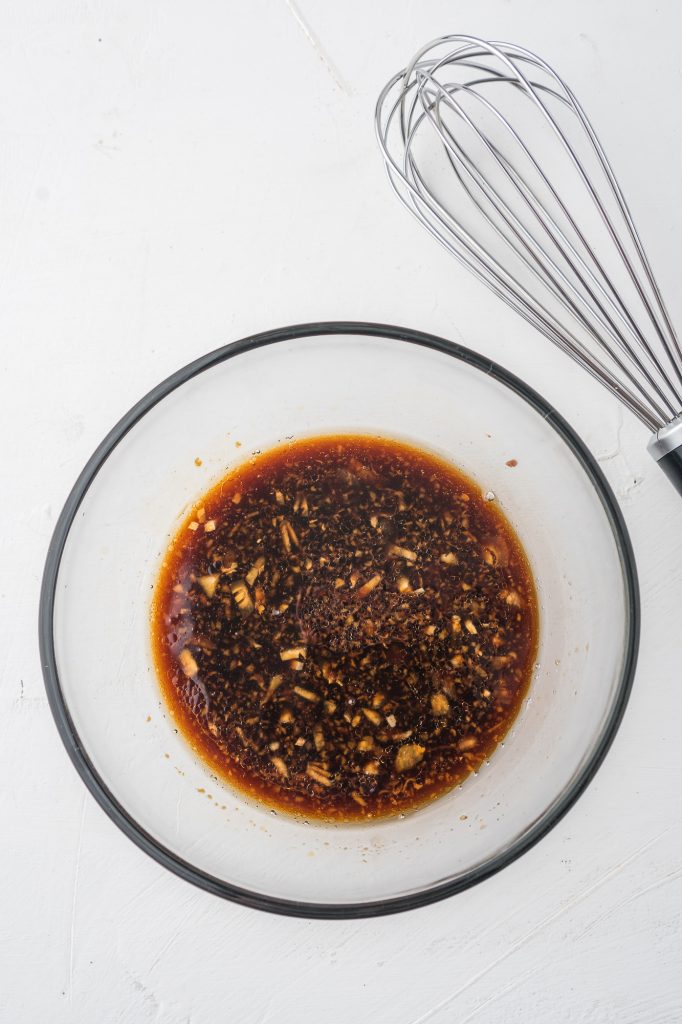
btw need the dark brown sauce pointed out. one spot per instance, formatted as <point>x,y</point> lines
<point>344,627</point>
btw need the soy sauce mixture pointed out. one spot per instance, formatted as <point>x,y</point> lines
<point>345,627</point>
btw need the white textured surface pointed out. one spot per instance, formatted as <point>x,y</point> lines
<point>173,176</point>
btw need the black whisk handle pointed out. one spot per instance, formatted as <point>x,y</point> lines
<point>666,448</point>
<point>671,464</point>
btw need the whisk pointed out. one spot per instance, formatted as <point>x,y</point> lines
<point>488,147</point>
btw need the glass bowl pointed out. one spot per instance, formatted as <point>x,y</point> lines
<point>166,452</point>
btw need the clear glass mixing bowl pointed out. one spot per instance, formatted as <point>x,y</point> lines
<point>126,505</point>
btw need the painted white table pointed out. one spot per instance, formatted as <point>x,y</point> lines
<point>173,176</point>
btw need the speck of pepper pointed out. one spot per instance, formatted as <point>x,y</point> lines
<point>511,463</point>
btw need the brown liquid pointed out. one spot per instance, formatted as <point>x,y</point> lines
<point>344,628</point>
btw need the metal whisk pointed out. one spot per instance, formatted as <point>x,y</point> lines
<point>488,147</point>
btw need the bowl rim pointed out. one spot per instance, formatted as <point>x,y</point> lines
<point>299,908</point>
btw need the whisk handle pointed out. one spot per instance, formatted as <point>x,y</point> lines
<point>671,464</point>
<point>666,448</point>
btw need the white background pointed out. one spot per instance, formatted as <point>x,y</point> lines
<point>177,175</point>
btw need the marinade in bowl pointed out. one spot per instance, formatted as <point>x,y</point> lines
<point>345,627</point>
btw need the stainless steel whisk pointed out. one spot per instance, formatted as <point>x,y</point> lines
<point>488,147</point>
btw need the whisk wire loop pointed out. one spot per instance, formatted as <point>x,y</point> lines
<point>466,164</point>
